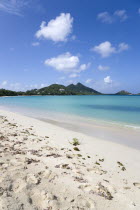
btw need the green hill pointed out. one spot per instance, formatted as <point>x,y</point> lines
<point>57,89</point>
<point>81,89</point>
<point>54,89</point>
<point>123,92</point>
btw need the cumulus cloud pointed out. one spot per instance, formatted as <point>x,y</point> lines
<point>105,49</point>
<point>102,87</point>
<point>13,6</point>
<point>122,47</point>
<point>107,80</point>
<point>121,14</point>
<point>103,68</point>
<point>88,81</point>
<point>35,44</point>
<point>106,17</point>
<point>66,63</point>
<point>57,29</point>
<point>83,67</point>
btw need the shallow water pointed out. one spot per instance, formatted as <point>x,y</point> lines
<point>116,109</point>
<point>115,118</point>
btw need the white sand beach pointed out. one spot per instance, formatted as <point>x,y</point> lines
<point>40,169</point>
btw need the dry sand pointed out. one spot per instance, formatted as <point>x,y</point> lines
<point>40,169</point>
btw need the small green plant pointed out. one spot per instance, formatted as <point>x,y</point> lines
<point>79,155</point>
<point>101,160</point>
<point>121,166</point>
<point>65,166</point>
<point>76,149</point>
<point>97,163</point>
<point>75,142</point>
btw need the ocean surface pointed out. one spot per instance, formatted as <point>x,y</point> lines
<point>92,114</point>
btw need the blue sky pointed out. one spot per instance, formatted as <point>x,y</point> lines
<point>95,42</point>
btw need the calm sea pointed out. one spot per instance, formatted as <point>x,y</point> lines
<point>114,118</point>
<point>114,109</point>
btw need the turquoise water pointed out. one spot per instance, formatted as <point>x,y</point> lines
<point>114,109</point>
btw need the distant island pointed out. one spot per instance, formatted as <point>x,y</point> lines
<point>57,89</point>
<point>123,92</point>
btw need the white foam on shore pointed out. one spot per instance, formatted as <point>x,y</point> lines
<point>133,127</point>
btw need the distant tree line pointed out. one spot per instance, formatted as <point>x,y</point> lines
<point>56,89</point>
<point>4,92</point>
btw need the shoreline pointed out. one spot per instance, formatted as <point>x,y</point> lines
<point>38,159</point>
<point>103,94</point>
<point>118,134</point>
<point>105,130</point>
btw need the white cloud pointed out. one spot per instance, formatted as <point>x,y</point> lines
<point>35,44</point>
<point>105,49</point>
<point>121,14</point>
<point>103,68</point>
<point>102,87</point>
<point>105,17</point>
<point>88,81</point>
<point>66,63</point>
<point>139,10</point>
<point>122,47</point>
<point>83,67</point>
<point>107,80</point>
<point>4,83</point>
<point>13,6</point>
<point>74,75</point>
<point>57,29</point>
